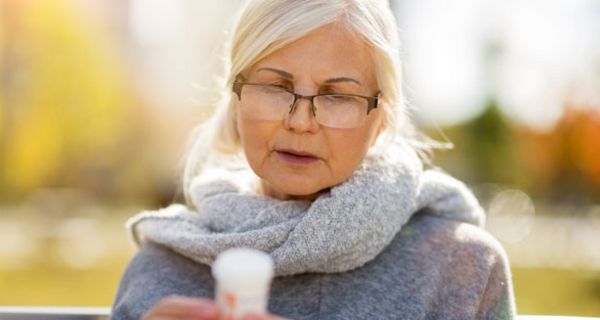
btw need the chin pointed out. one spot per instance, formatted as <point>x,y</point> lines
<point>294,190</point>
<point>298,191</point>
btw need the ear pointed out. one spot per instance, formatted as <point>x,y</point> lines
<point>234,116</point>
<point>380,127</point>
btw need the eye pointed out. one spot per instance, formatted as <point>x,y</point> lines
<point>285,85</point>
<point>340,98</point>
<point>272,88</point>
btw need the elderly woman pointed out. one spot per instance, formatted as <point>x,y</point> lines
<point>311,159</point>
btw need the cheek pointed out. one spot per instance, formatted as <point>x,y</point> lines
<point>347,152</point>
<point>349,147</point>
<point>255,137</point>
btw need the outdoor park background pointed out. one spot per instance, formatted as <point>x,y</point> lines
<point>97,98</point>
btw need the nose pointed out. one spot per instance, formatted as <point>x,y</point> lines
<point>301,117</point>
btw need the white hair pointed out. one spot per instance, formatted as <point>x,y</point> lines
<point>265,26</point>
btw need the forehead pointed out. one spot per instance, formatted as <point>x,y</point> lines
<point>331,50</point>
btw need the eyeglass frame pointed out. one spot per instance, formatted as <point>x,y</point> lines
<point>372,102</point>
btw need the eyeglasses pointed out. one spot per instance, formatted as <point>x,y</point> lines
<point>272,102</point>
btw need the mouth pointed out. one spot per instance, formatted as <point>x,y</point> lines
<point>296,157</point>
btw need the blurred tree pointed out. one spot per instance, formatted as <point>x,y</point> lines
<point>491,142</point>
<point>485,149</point>
<point>2,117</point>
<point>561,165</point>
<point>564,164</point>
<point>67,95</point>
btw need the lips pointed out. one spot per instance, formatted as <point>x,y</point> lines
<point>296,157</point>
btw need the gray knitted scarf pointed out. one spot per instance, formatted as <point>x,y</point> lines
<point>342,229</point>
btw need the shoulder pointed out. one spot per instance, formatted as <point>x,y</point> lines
<point>467,263</point>
<point>434,268</point>
<point>454,253</point>
<point>451,239</point>
<point>156,272</point>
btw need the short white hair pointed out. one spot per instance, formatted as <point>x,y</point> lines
<point>265,26</point>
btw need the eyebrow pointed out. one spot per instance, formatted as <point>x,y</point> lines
<point>282,73</point>
<point>342,79</point>
<point>288,75</point>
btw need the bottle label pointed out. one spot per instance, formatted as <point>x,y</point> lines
<point>234,305</point>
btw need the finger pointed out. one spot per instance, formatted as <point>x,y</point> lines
<point>185,307</point>
<point>174,318</point>
<point>193,314</point>
<point>185,304</point>
<point>254,316</point>
<point>171,318</point>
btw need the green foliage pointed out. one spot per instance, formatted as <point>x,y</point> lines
<point>557,291</point>
<point>560,165</point>
<point>491,144</point>
<point>484,149</point>
<point>54,286</point>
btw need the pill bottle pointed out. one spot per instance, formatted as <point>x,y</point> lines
<point>243,277</point>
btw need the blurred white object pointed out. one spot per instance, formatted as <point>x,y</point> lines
<point>551,59</point>
<point>443,58</point>
<point>534,57</point>
<point>154,22</point>
<point>511,215</point>
<point>243,279</point>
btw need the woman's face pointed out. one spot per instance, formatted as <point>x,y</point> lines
<point>297,157</point>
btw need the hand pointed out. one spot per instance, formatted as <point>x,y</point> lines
<point>178,307</point>
<point>262,317</point>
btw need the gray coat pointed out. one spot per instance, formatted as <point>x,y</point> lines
<point>435,268</point>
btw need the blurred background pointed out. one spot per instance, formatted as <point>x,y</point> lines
<point>97,98</point>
